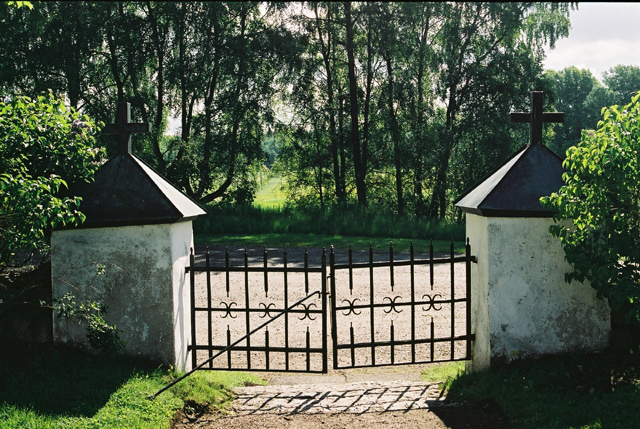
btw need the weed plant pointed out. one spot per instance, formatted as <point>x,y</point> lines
<point>249,220</point>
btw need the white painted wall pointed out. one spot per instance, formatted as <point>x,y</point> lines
<point>144,285</point>
<point>520,299</point>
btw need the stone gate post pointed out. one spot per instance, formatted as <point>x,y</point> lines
<point>521,304</point>
<point>138,227</point>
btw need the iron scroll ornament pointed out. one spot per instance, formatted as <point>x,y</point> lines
<point>267,310</point>
<point>227,309</point>
<point>392,305</point>
<point>352,308</point>
<point>307,308</point>
<point>431,304</point>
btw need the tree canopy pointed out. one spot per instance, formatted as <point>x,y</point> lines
<point>397,105</point>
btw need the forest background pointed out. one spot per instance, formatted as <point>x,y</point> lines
<point>360,108</point>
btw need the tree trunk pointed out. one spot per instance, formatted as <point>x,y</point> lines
<point>353,98</point>
<point>395,134</point>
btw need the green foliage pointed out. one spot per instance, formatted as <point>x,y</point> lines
<point>581,97</point>
<point>20,4</point>
<point>599,209</point>
<point>270,194</point>
<point>570,89</point>
<point>100,334</point>
<point>564,391</point>
<point>212,390</point>
<point>44,148</point>
<point>443,374</point>
<point>623,81</point>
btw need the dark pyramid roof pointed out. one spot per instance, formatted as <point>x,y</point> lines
<point>126,191</point>
<point>514,190</point>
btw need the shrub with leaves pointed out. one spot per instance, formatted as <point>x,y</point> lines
<point>602,199</point>
<point>45,147</point>
<point>100,334</point>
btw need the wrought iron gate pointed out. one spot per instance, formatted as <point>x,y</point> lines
<point>384,317</point>
<point>304,352</point>
<point>394,321</point>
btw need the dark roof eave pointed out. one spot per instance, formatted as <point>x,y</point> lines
<point>126,222</point>
<point>508,213</point>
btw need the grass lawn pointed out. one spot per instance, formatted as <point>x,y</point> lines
<point>313,240</point>
<point>44,387</point>
<point>566,391</point>
<point>270,195</point>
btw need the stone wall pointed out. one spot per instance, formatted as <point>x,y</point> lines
<point>144,285</point>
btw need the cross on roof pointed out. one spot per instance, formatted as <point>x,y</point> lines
<point>536,118</point>
<point>124,128</point>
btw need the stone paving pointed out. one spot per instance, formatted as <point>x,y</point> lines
<point>358,397</point>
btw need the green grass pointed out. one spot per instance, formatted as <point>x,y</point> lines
<point>65,388</point>
<point>270,195</point>
<point>443,374</point>
<point>566,391</point>
<point>346,222</point>
<point>338,241</point>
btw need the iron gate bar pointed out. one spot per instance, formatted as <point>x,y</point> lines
<point>324,311</point>
<point>350,270</point>
<point>266,274</point>
<point>226,262</point>
<point>371,315</point>
<point>192,278</point>
<point>413,307</point>
<point>453,304</point>
<point>266,346</point>
<point>259,349</point>
<point>257,269</point>
<point>286,315</point>
<point>383,264</point>
<point>334,326</point>
<point>393,304</point>
<point>246,301</point>
<point>431,263</point>
<point>404,343</point>
<point>209,306</point>
<point>391,265</point>
<point>468,306</point>
<point>306,271</point>
<point>260,310</point>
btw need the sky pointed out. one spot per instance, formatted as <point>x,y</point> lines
<point>602,35</point>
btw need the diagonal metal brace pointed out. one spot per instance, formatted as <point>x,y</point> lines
<point>286,310</point>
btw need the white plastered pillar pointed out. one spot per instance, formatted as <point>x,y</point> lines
<point>521,304</point>
<point>144,285</point>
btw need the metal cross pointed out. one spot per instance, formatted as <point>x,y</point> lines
<point>124,128</point>
<point>536,118</point>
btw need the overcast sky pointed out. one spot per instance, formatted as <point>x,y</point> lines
<point>602,35</point>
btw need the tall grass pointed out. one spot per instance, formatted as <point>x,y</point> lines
<point>334,221</point>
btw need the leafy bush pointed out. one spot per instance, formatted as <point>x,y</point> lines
<point>602,199</point>
<point>44,148</point>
